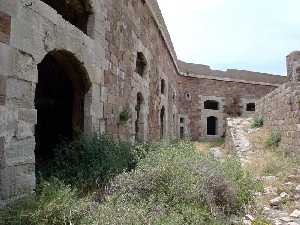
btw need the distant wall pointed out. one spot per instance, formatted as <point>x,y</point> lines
<point>281,110</point>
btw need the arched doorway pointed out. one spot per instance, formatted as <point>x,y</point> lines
<point>139,123</point>
<point>76,12</point>
<point>212,125</point>
<point>162,122</point>
<point>59,100</point>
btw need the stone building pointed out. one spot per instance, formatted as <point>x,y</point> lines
<point>103,66</point>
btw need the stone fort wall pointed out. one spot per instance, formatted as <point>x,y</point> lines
<point>126,62</point>
<point>281,107</point>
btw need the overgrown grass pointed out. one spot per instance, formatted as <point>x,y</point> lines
<point>54,203</point>
<point>91,161</point>
<point>171,184</point>
<point>258,121</point>
<point>274,138</point>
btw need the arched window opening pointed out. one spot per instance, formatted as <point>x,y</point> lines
<point>162,86</point>
<point>212,124</point>
<point>250,107</point>
<point>141,64</point>
<point>77,12</point>
<point>211,104</point>
<point>59,101</point>
<point>188,96</point>
<point>139,123</point>
<point>162,122</point>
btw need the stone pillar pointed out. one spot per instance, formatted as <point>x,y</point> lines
<point>17,119</point>
<point>293,66</point>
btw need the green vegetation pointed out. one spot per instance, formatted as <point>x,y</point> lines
<point>161,184</point>
<point>90,161</point>
<point>274,138</point>
<point>124,116</point>
<point>258,121</point>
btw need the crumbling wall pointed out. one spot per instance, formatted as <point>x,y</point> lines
<point>281,111</point>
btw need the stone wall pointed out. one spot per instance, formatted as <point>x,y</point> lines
<point>121,36</point>
<point>281,110</point>
<point>224,92</point>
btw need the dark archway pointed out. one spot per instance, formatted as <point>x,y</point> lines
<point>211,104</point>
<point>250,107</point>
<point>162,122</point>
<point>139,123</point>
<point>141,64</point>
<point>212,125</point>
<point>59,100</point>
<point>77,12</point>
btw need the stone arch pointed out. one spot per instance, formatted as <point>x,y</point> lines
<point>212,125</point>
<point>78,12</point>
<point>140,118</point>
<point>211,104</point>
<point>60,102</point>
<point>141,64</point>
<point>162,117</point>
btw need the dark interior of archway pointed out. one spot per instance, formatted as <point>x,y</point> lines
<point>54,100</point>
<point>77,12</point>
<point>162,120</point>
<point>212,125</point>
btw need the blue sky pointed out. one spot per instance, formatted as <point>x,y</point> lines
<point>240,34</point>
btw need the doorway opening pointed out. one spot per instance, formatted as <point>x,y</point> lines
<point>59,101</point>
<point>212,123</point>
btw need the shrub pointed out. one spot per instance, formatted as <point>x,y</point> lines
<point>274,138</point>
<point>177,185</point>
<point>54,204</point>
<point>93,160</point>
<point>258,121</point>
<point>124,116</point>
<point>173,184</point>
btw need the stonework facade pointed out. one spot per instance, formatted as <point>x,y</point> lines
<point>281,108</point>
<point>61,73</point>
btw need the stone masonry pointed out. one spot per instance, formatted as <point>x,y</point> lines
<point>95,63</point>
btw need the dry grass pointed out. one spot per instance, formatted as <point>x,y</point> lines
<point>204,145</point>
<point>270,161</point>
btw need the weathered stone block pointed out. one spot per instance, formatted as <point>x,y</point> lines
<point>5,23</point>
<point>27,115</point>
<point>20,94</point>
<point>20,152</point>
<point>25,179</point>
<point>24,130</point>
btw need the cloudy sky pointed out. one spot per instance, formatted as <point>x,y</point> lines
<point>242,34</point>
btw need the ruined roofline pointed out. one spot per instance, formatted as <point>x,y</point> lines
<point>158,18</point>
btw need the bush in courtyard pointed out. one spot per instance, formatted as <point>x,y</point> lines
<point>274,138</point>
<point>171,184</point>
<point>92,160</point>
<point>55,203</point>
<point>177,185</point>
<point>258,121</point>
